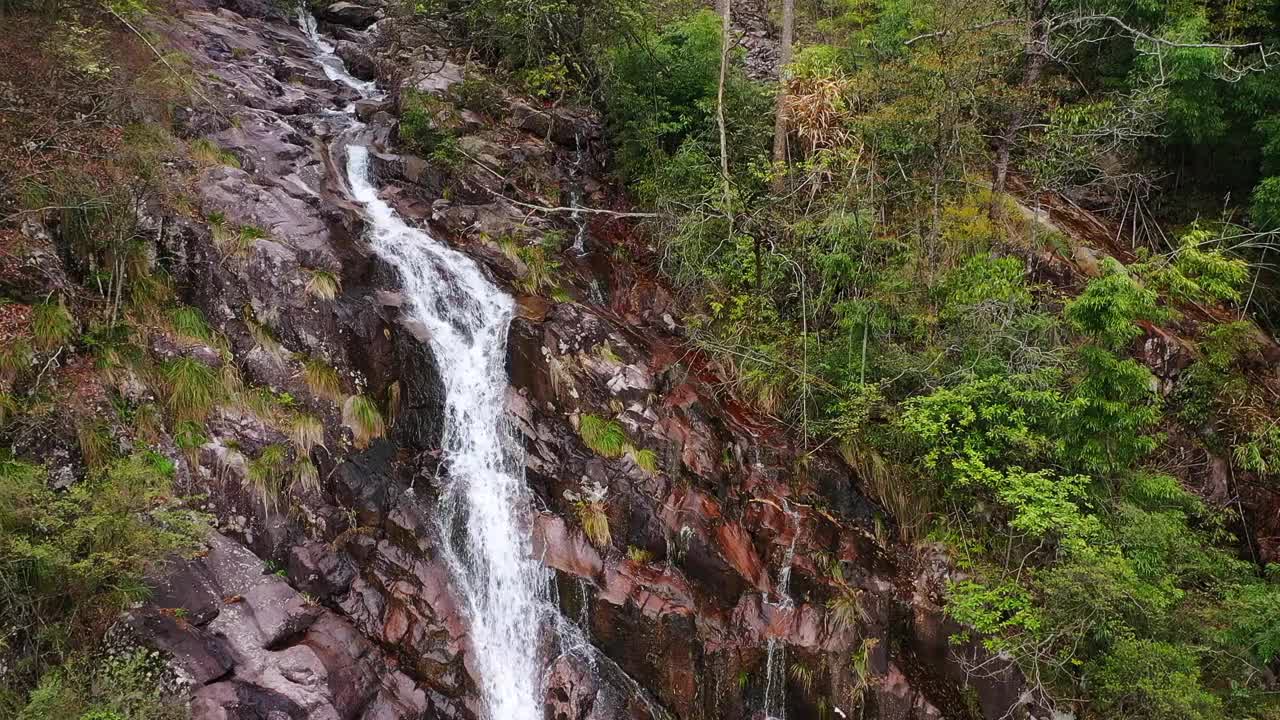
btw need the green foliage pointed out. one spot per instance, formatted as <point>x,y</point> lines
<point>1266,204</point>
<point>51,324</point>
<point>479,94</point>
<point>1150,679</point>
<point>661,101</point>
<point>1112,409</point>
<point>426,122</point>
<point>69,562</point>
<point>1198,273</point>
<point>604,437</point>
<point>1111,306</point>
<point>361,415</point>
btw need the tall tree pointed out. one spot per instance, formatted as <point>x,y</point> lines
<point>780,116</point>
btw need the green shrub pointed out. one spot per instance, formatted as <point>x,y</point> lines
<point>69,562</point>
<point>1111,306</point>
<point>426,122</point>
<point>479,94</point>
<point>661,94</point>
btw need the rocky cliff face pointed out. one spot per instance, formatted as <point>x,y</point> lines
<point>739,569</point>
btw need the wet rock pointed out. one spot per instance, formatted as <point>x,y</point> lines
<point>433,77</point>
<point>367,108</point>
<point>349,14</point>
<point>358,62</point>
<point>559,126</point>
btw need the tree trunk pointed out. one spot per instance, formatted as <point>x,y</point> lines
<point>1035,52</point>
<point>726,29</point>
<point>780,116</point>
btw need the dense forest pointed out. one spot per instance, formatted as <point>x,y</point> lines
<point>1013,263</point>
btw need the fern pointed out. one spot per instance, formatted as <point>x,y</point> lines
<point>362,417</point>
<point>604,437</point>
<point>802,675</point>
<point>324,285</point>
<point>51,324</point>
<point>194,388</point>
<point>322,379</point>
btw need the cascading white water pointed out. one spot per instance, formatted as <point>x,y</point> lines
<point>486,541</point>
<point>482,523</point>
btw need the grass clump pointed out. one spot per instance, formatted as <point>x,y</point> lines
<point>94,438</point>
<point>591,506</point>
<point>604,437</point>
<point>190,323</point>
<point>207,153</point>
<point>361,415</point>
<point>51,324</point>
<point>194,388</point>
<point>323,285</point>
<point>307,432</point>
<point>267,473</point>
<point>646,460</point>
<point>322,379</point>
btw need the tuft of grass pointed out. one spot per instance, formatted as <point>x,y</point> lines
<point>267,472</point>
<point>604,437</point>
<point>393,402</point>
<point>595,523</point>
<point>263,336</point>
<point>540,269</point>
<point>194,388</point>
<point>15,357</point>
<point>207,153</point>
<point>322,379</point>
<point>639,555</point>
<point>8,408</point>
<point>910,504</point>
<point>646,459</point>
<point>846,607</point>
<point>189,323</point>
<point>306,475</point>
<point>307,432</point>
<point>94,437</point>
<point>361,415</point>
<point>324,285</point>
<point>51,324</point>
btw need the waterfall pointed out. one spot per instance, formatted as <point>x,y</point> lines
<point>775,688</point>
<point>483,516</point>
